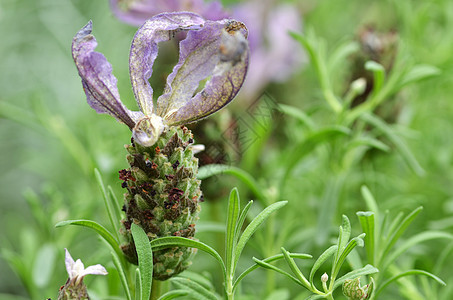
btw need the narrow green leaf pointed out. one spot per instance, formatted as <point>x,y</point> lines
<point>104,233</point>
<point>418,73</point>
<point>145,259</point>
<point>266,265</point>
<point>294,268</point>
<point>232,217</point>
<point>345,233</point>
<point>115,203</point>
<point>400,145</point>
<point>378,73</point>
<point>414,240</point>
<point>367,221</point>
<point>241,219</point>
<point>357,241</point>
<point>321,259</point>
<point>268,260</point>
<point>369,200</point>
<point>172,241</point>
<point>253,226</point>
<point>369,142</point>
<point>298,114</point>
<point>408,273</point>
<point>400,230</point>
<point>121,274</point>
<point>113,219</point>
<point>138,285</point>
<point>367,270</point>
<point>195,290</point>
<point>341,54</point>
<point>198,278</point>
<point>173,294</point>
<point>211,170</point>
<point>313,140</point>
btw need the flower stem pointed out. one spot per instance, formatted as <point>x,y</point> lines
<point>156,289</point>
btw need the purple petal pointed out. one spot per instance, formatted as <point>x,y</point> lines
<point>221,51</point>
<point>199,54</point>
<point>97,78</point>
<point>136,12</point>
<point>144,50</point>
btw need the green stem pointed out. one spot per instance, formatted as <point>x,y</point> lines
<point>229,287</point>
<point>156,289</point>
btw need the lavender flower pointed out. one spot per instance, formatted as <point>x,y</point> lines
<point>217,50</point>
<point>275,56</point>
<point>163,192</point>
<point>136,12</point>
<point>74,287</point>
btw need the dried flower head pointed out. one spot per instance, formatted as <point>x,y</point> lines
<point>213,50</point>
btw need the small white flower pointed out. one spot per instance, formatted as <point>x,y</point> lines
<point>76,269</point>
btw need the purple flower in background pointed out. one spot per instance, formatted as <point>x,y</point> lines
<point>275,56</point>
<point>215,51</point>
<point>136,12</point>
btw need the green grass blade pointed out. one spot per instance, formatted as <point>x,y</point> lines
<point>266,265</point>
<point>145,259</point>
<point>313,140</point>
<point>400,145</point>
<point>418,73</point>
<point>321,259</point>
<point>211,170</point>
<point>138,285</point>
<point>172,241</point>
<point>357,241</point>
<point>297,114</point>
<point>232,217</point>
<point>268,260</point>
<point>114,220</point>
<point>253,226</point>
<point>296,271</point>
<point>196,290</point>
<point>115,203</point>
<point>241,219</point>
<point>367,270</point>
<point>121,274</point>
<point>173,294</point>
<point>378,73</point>
<point>408,273</point>
<point>396,234</point>
<point>104,233</point>
<point>369,200</point>
<point>414,240</point>
<point>366,219</point>
<point>345,233</point>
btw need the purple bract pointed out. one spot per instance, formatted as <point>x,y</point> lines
<point>213,50</point>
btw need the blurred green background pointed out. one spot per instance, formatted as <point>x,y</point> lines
<point>51,140</point>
